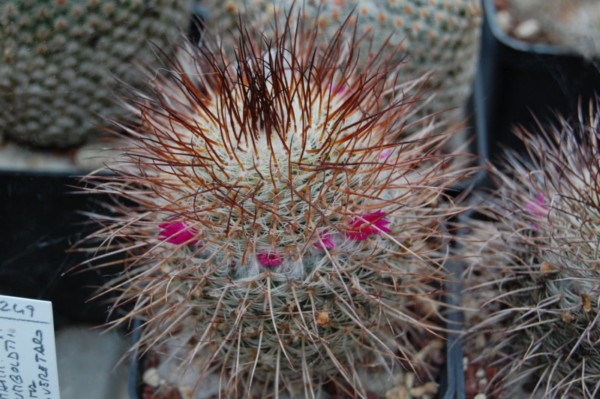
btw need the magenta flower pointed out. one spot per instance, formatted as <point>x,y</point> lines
<point>371,223</point>
<point>269,259</point>
<point>325,241</point>
<point>538,209</point>
<point>177,233</point>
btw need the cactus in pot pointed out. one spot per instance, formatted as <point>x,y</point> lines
<point>287,233</point>
<point>437,38</point>
<point>534,272</point>
<point>60,61</point>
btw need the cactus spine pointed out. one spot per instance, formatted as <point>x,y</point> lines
<point>282,235</point>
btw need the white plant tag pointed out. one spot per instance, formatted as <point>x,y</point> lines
<point>27,350</point>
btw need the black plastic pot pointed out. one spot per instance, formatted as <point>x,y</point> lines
<point>42,217</point>
<point>517,80</point>
<point>452,379</point>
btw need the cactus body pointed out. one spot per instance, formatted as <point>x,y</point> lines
<point>59,61</point>
<point>536,260</point>
<point>280,230</point>
<point>438,38</point>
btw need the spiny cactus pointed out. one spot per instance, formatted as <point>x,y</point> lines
<point>281,236</point>
<point>536,259</point>
<point>435,37</point>
<point>60,59</point>
<point>573,24</point>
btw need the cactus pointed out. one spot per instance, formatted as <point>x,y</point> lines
<point>536,262</point>
<point>59,60</point>
<point>439,38</point>
<point>571,24</point>
<point>282,239</point>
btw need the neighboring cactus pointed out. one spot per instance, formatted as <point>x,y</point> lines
<point>439,38</point>
<point>536,259</point>
<point>281,235</point>
<point>59,62</point>
<point>573,24</point>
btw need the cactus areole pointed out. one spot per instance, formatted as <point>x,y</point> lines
<point>285,225</point>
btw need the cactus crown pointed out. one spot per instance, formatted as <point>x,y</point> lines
<point>439,38</point>
<point>286,226</point>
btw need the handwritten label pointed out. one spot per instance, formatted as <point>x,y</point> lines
<point>27,350</point>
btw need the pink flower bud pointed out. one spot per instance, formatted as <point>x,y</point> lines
<point>362,227</point>
<point>538,207</point>
<point>324,241</point>
<point>339,89</point>
<point>177,233</point>
<point>269,259</point>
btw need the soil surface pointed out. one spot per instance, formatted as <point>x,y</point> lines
<point>526,29</point>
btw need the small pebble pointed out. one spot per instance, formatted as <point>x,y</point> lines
<point>504,20</point>
<point>151,377</point>
<point>479,396</point>
<point>527,29</point>
<point>399,392</point>
<point>409,380</point>
<point>429,388</point>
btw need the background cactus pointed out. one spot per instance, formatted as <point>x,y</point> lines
<point>59,60</point>
<point>282,239</point>
<point>438,38</point>
<point>536,262</point>
<point>572,24</point>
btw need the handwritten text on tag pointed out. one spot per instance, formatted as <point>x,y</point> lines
<point>27,350</point>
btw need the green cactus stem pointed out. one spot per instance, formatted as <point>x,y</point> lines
<point>60,61</point>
